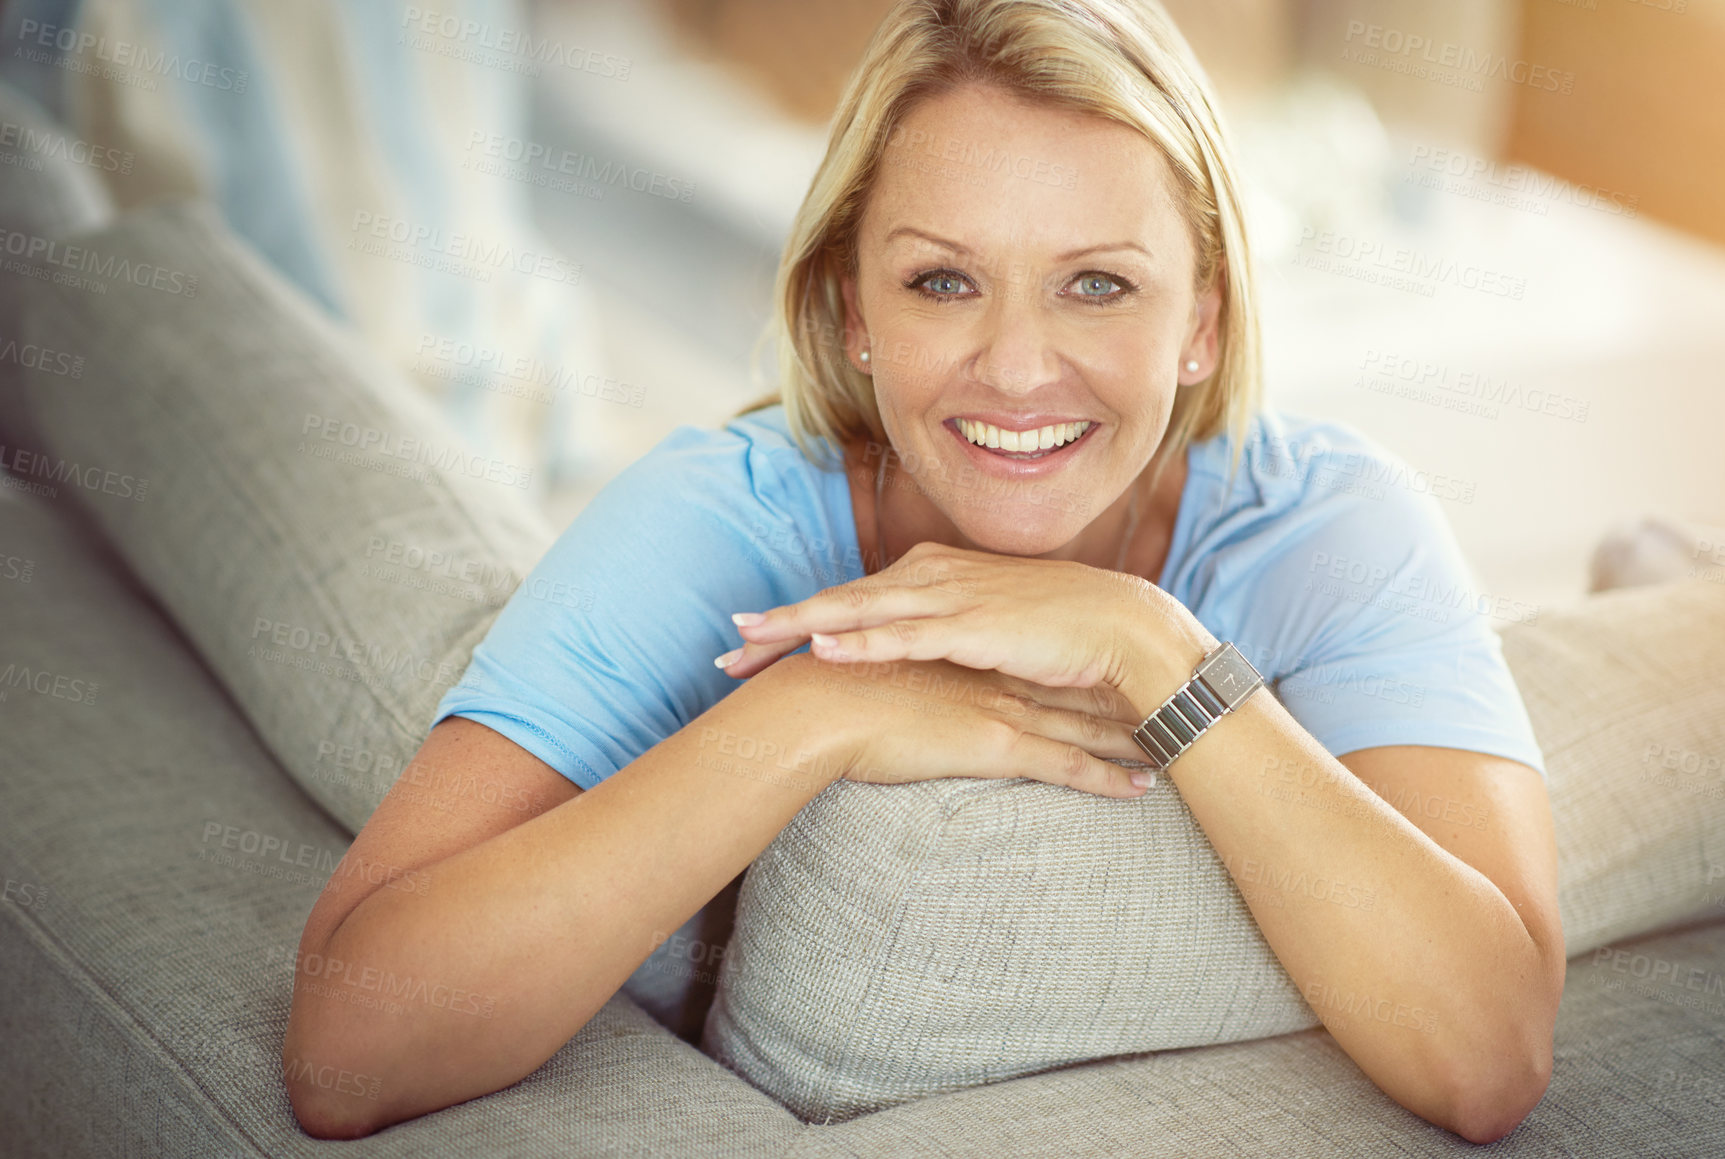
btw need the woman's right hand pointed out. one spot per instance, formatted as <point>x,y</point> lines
<point>916,720</point>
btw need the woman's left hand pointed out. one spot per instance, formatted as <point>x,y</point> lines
<point>1058,623</point>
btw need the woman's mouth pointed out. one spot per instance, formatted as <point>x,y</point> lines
<point>1023,446</point>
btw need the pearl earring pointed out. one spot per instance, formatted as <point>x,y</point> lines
<point>1192,366</point>
<point>863,358</point>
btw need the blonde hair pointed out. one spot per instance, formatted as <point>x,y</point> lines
<point>1120,59</point>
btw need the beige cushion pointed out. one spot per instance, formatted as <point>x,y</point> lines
<point>336,590</point>
<point>1627,696</point>
<point>899,940</point>
<point>272,495</point>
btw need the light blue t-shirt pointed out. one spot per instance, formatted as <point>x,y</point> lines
<point>1329,564</point>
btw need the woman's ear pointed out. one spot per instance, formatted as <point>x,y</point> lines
<point>1203,337</point>
<point>855,330</point>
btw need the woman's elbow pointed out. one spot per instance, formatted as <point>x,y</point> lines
<point>327,1112</point>
<point>334,1096</point>
<point>322,1117</point>
<point>1486,1113</point>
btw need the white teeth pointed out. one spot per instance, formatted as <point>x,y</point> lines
<point>1040,439</point>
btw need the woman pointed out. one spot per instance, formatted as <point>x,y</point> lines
<point>1025,233</point>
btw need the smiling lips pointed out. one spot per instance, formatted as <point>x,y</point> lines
<point>1035,443</point>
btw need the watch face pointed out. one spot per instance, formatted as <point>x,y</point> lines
<point>1230,676</point>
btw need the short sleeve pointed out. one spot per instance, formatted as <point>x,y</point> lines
<point>607,646</point>
<point>1371,630</point>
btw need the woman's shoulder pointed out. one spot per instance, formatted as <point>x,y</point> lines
<point>1293,460</point>
<point>1309,493</point>
<point>744,484</point>
<point>750,457</point>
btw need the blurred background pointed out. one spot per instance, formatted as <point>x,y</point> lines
<point>563,218</point>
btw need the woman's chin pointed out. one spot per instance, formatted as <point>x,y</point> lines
<point>1027,532</point>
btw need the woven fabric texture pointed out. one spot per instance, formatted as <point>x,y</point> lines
<point>161,868</point>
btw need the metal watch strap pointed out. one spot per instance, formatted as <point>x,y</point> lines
<point>1222,680</point>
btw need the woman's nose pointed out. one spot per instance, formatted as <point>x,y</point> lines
<point>1016,352</point>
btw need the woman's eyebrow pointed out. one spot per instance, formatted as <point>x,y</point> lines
<point>912,231</point>
<point>955,247</point>
<point>1104,248</point>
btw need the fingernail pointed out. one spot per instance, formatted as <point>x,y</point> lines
<point>823,639</point>
<point>746,619</point>
<point>727,659</point>
<point>1143,780</point>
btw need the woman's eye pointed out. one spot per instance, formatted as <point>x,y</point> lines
<point>1097,286</point>
<point>941,284</point>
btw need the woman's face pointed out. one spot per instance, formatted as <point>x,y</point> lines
<point>1025,267</point>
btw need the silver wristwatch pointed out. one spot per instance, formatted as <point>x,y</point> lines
<point>1219,684</point>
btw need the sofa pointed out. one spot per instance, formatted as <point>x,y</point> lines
<point>178,784</point>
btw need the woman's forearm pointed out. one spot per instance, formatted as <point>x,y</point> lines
<point>440,997</point>
<point>1418,964</point>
